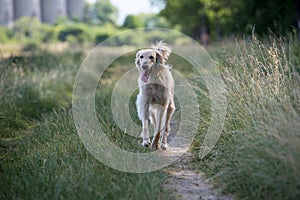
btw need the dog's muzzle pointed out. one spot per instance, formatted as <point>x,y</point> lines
<point>144,66</point>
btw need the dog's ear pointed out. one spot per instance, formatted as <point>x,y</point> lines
<point>163,50</point>
<point>159,57</point>
<point>137,60</point>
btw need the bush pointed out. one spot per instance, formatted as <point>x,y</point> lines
<point>4,35</point>
<point>49,34</point>
<point>132,21</point>
<point>31,46</point>
<point>101,37</point>
<point>28,29</point>
<point>79,31</point>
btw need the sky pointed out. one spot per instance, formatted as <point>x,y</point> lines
<point>131,7</point>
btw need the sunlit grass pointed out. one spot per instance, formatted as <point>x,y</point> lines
<point>257,156</point>
<point>41,155</point>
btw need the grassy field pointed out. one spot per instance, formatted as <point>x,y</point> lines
<point>41,155</point>
<point>258,153</point>
<point>257,156</point>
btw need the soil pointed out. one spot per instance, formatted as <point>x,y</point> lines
<point>187,184</point>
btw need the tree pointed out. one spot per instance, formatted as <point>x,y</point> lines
<point>186,14</point>
<point>145,20</point>
<point>106,12</point>
<point>276,15</point>
<point>153,20</point>
<point>133,21</point>
<point>224,17</point>
<point>88,14</point>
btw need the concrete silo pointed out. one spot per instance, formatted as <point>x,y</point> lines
<point>75,8</point>
<point>52,10</point>
<point>6,13</point>
<point>27,8</point>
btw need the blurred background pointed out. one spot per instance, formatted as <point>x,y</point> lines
<point>255,45</point>
<point>42,21</point>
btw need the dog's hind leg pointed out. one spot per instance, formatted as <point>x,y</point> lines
<point>160,112</point>
<point>166,126</point>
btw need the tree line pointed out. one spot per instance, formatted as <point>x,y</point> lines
<point>218,18</point>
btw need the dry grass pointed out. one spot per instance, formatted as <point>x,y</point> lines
<point>257,156</point>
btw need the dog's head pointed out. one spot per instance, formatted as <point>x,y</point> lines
<point>154,57</point>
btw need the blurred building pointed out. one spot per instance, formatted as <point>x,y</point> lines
<point>52,10</point>
<point>47,11</point>
<point>23,8</point>
<point>6,13</point>
<point>75,8</point>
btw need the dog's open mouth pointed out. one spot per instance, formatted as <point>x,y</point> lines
<point>145,75</point>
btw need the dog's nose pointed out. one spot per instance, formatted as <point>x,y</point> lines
<point>144,66</point>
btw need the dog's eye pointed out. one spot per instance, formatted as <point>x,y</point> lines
<point>151,57</point>
<point>141,57</point>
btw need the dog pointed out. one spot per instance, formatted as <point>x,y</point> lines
<point>155,100</point>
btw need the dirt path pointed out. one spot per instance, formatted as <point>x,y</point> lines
<point>187,184</point>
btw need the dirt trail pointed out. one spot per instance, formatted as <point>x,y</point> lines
<point>184,182</point>
<point>187,184</point>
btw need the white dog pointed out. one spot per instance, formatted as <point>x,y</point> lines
<point>155,100</point>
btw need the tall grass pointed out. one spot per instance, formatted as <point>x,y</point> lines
<point>256,157</point>
<point>258,153</point>
<point>33,85</point>
<point>41,155</point>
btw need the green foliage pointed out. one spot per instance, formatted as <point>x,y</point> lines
<point>142,36</point>
<point>227,17</point>
<point>4,34</point>
<point>104,32</point>
<point>99,13</point>
<point>80,32</point>
<point>49,34</point>
<point>30,32</point>
<point>278,16</point>
<point>133,21</point>
<point>188,15</point>
<point>153,20</point>
<point>106,12</point>
<point>145,20</point>
<point>27,28</point>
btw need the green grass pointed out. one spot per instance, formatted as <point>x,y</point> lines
<point>258,153</point>
<point>53,164</point>
<point>256,157</point>
<point>41,155</point>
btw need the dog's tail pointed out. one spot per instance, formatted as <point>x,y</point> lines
<point>163,49</point>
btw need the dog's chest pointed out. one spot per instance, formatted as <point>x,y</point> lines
<point>156,92</point>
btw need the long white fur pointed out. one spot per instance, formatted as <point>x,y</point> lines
<point>155,100</point>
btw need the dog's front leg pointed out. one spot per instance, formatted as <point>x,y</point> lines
<point>142,105</point>
<point>144,116</point>
<point>145,133</point>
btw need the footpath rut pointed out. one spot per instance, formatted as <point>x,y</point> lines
<point>187,184</point>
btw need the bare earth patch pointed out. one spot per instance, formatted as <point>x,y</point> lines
<point>187,184</point>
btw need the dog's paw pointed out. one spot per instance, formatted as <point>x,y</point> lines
<point>164,146</point>
<point>154,146</point>
<point>146,143</point>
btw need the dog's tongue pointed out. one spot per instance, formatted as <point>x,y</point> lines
<point>144,76</point>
